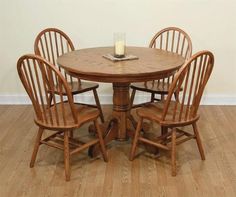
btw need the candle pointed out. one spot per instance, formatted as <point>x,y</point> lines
<point>119,45</point>
<point>120,48</point>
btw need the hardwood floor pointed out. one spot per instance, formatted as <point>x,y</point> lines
<point>147,175</point>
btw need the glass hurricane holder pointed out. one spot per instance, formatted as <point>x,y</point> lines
<point>119,45</point>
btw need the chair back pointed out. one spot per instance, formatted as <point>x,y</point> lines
<point>189,83</point>
<point>39,78</point>
<point>173,39</point>
<point>51,43</point>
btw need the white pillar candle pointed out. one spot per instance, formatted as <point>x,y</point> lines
<point>119,47</point>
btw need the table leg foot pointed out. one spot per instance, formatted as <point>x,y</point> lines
<point>109,134</point>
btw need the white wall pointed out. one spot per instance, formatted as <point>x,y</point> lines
<point>210,23</point>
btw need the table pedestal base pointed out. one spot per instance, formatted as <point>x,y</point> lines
<point>121,125</point>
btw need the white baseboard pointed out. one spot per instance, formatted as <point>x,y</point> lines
<point>218,100</point>
<point>22,99</point>
<point>206,99</point>
<point>107,99</point>
<point>14,100</point>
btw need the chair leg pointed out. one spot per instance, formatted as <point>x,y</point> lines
<point>101,141</point>
<point>173,152</point>
<point>176,95</point>
<point>98,105</point>
<point>132,98</point>
<point>50,100</point>
<point>71,134</point>
<point>36,147</point>
<point>67,155</point>
<point>135,140</point>
<point>164,131</point>
<point>153,97</point>
<point>198,139</point>
<point>162,97</point>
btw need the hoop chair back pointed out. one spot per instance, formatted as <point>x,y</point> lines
<point>189,83</point>
<point>173,39</point>
<point>170,39</point>
<point>39,78</point>
<point>50,43</point>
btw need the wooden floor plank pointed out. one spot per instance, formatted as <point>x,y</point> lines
<point>147,175</point>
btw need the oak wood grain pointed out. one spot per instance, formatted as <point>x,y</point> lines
<point>89,64</point>
<point>55,111</point>
<point>173,115</point>
<point>146,176</point>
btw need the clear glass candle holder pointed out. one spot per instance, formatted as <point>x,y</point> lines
<point>119,45</point>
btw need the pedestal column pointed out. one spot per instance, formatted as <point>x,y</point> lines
<point>121,108</point>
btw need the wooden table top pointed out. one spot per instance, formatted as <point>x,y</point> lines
<point>89,64</point>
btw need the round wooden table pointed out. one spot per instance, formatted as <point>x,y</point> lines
<point>89,64</point>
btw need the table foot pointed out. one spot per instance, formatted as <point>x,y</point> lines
<point>109,134</point>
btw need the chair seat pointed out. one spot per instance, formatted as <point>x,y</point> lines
<point>154,111</point>
<point>83,114</point>
<point>79,87</point>
<point>152,87</point>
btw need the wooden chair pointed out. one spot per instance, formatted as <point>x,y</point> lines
<point>170,39</point>
<point>51,43</point>
<point>55,109</point>
<point>171,114</point>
